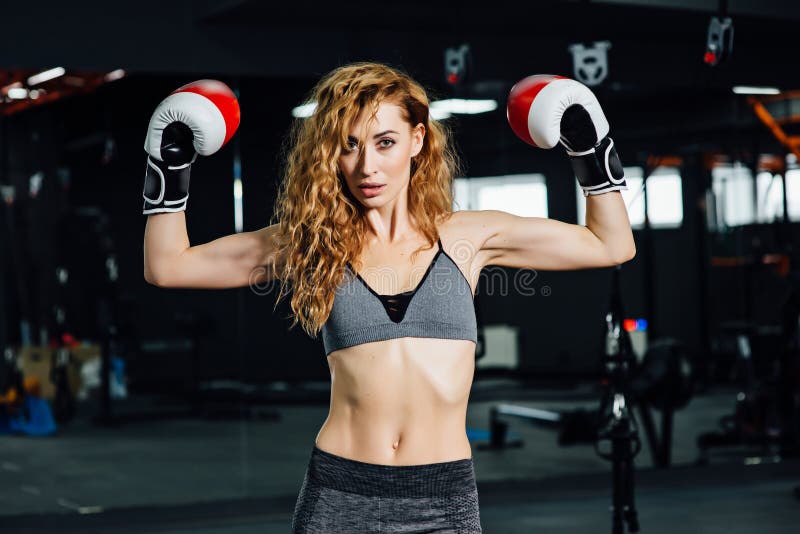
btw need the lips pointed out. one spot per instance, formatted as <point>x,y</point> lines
<point>370,189</point>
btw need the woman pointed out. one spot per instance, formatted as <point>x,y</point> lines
<point>378,263</point>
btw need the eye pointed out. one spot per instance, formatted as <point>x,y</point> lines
<point>386,142</point>
<point>351,145</point>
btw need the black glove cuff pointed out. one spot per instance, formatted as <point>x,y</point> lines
<point>599,169</point>
<point>166,188</point>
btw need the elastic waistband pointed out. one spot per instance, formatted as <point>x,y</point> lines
<point>428,480</point>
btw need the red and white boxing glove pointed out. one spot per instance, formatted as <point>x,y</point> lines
<point>198,118</point>
<point>544,110</point>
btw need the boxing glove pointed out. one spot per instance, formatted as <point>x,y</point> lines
<point>198,118</point>
<point>544,110</point>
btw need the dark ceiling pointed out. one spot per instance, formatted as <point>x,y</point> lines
<point>654,42</point>
<point>348,14</point>
<point>655,62</point>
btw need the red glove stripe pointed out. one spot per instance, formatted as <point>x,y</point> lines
<point>519,103</point>
<point>222,97</point>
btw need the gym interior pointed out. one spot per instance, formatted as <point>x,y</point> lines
<point>656,395</point>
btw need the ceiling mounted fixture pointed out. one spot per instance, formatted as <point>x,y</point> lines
<point>439,110</point>
<point>21,89</point>
<point>17,93</point>
<point>754,90</point>
<point>115,75</point>
<point>304,111</point>
<point>46,75</point>
<point>462,106</point>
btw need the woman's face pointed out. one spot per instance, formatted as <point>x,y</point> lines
<point>376,163</point>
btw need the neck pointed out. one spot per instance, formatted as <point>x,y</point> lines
<point>391,222</point>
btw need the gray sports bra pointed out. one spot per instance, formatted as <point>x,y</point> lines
<point>441,307</point>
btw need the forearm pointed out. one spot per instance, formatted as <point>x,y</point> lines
<point>165,239</point>
<point>607,218</point>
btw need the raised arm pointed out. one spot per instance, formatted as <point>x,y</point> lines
<point>550,245</point>
<point>196,119</point>
<point>544,111</point>
<point>235,260</point>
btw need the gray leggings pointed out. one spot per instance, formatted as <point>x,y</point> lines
<point>342,496</point>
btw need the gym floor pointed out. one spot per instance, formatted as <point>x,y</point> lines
<point>201,475</point>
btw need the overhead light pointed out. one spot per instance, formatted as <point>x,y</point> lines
<point>304,111</point>
<point>752,90</point>
<point>115,75</point>
<point>439,110</point>
<point>17,93</point>
<point>46,75</point>
<point>463,106</point>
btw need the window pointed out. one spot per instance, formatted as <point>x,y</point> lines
<point>521,194</point>
<point>742,200</point>
<point>769,197</point>
<point>665,198</point>
<point>734,192</point>
<point>793,194</point>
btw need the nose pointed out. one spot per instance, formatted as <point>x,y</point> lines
<point>368,161</point>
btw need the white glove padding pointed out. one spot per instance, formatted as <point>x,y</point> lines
<point>208,107</point>
<point>545,109</point>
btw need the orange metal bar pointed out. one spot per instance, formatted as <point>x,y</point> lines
<point>769,121</point>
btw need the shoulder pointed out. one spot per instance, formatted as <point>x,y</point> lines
<point>465,234</point>
<point>478,225</point>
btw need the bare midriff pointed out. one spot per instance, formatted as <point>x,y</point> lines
<point>400,401</point>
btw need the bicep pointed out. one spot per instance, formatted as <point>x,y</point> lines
<point>235,260</point>
<point>541,243</point>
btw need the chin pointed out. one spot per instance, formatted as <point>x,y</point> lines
<point>372,202</point>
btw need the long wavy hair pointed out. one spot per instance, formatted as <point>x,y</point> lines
<point>320,224</point>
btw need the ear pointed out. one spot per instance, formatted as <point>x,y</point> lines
<point>417,137</point>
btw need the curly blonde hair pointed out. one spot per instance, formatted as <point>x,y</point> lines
<point>320,223</point>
